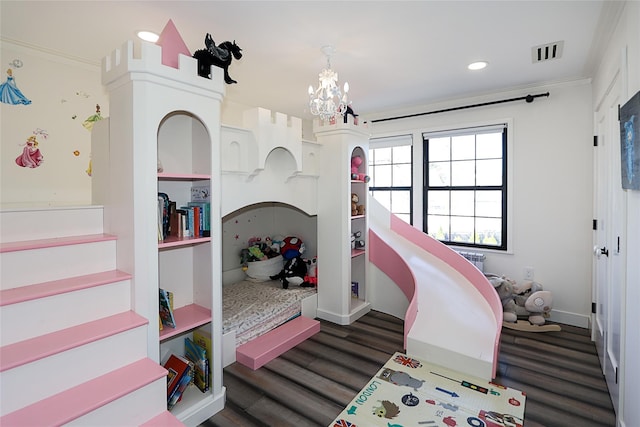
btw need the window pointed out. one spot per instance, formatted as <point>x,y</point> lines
<point>391,173</point>
<point>465,189</point>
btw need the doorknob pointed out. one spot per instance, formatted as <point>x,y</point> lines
<point>604,251</point>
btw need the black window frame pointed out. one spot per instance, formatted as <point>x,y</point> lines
<point>503,188</point>
<point>407,188</point>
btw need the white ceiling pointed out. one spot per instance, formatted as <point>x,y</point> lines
<point>394,54</point>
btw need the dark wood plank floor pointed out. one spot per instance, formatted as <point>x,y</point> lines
<point>311,384</point>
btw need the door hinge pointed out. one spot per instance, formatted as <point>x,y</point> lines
<point>618,112</point>
<point>593,308</point>
<point>595,224</point>
<point>616,375</point>
<point>595,140</point>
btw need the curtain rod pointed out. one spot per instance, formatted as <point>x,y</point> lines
<point>528,98</point>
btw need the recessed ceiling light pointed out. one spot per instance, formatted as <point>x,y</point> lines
<point>148,36</point>
<point>477,65</point>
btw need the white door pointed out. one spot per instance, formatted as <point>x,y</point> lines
<point>608,264</point>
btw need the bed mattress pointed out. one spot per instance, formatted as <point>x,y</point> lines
<point>254,308</point>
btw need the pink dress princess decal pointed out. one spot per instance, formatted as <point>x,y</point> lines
<point>31,156</point>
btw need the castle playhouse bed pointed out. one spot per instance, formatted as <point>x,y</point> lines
<point>265,162</point>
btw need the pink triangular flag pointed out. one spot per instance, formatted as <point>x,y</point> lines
<point>172,45</point>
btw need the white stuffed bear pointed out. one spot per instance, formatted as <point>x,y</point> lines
<point>526,300</point>
<point>532,303</point>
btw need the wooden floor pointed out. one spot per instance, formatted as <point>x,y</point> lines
<point>311,384</point>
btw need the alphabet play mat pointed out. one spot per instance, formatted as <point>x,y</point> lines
<point>410,392</point>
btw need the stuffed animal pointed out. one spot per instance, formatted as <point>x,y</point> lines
<point>258,250</point>
<point>356,242</point>
<point>527,300</point>
<point>293,273</point>
<point>291,247</point>
<point>532,302</point>
<point>312,271</point>
<point>356,161</point>
<point>356,209</point>
<point>354,204</point>
<point>257,253</point>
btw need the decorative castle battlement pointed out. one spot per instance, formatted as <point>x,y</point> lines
<point>274,130</point>
<point>143,61</point>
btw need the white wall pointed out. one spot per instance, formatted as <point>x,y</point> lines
<point>551,185</point>
<point>63,93</point>
<point>623,52</point>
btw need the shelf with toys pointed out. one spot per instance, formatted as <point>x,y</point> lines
<point>342,222</point>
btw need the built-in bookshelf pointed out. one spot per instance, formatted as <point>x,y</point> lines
<point>185,255</point>
<point>358,229</point>
<point>340,300</point>
<point>164,137</point>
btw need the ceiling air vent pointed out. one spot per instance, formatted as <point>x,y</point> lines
<point>546,52</point>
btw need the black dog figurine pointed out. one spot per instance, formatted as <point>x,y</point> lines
<point>220,56</point>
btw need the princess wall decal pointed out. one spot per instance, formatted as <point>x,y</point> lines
<point>31,156</point>
<point>9,92</point>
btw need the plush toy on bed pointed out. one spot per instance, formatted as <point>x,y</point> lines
<point>257,250</point>
<point>312,271</point>
<point>295,269</point>
<point>291,247</point>
<point>293,273</point>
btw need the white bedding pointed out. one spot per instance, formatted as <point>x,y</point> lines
<point>254,308</point>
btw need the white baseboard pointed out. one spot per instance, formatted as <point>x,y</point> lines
<point>573,319</point>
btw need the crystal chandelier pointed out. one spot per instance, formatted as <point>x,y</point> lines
<point>328,101</point>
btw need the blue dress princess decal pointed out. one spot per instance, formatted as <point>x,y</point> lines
<point>9,92</point>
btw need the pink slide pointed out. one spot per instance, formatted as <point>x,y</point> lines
<point>454,318</point>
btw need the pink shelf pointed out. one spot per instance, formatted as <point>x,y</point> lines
<point>173,241</point>
<point>187,318</point>
<point>183,176</point>
<point>357,252</point>
<point>357,216</point>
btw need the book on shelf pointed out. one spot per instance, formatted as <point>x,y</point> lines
<point>166,309</point>
<point>202,337</point>
<point>177,368</point>
<point>160,218</point>
<point>198,355</point>
<point>163,220</point>
<point>177,394</point>
<point>205,217</point>
<point>197,225</point>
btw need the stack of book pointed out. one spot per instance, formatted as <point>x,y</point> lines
<point>190,220</point>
